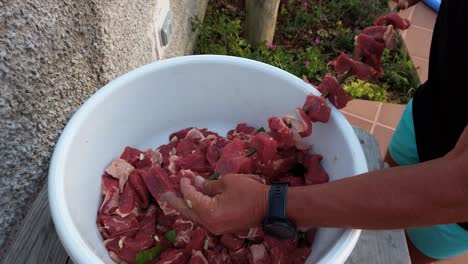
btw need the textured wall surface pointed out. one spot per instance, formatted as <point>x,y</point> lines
<point>53,56</point>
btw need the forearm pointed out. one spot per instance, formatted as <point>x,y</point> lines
<point>429,193</point>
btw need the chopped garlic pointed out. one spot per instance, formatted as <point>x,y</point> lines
<point>189,203</point>
<point>193,151</point>
<point>156,238</point>
<point>174,138</point>
<point>121,242</point>
<point>206,244</point>
<point>142,156</point>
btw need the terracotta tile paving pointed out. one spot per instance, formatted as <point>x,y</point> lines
<point>379,119</point>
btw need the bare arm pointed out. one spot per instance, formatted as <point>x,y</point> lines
<point>429,193</point>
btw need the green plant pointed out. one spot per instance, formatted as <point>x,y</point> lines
<point>399,74</point>
<point>219,34</point>
<point>356,13</point>
<point>338,39</point>
<point>310,33</point>
<point>365,90</point>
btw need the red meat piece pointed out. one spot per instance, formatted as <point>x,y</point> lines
<point>120,169</point>
<point>195,162</point>
<point>231,241</point>
<point>110,191</point>
<point>383,34</point>
<point>195,134</point>
<point>207,133</point>
<point>300,255</point>
<point>258,254</point>
<point>150,217</point>
<point>166,220</point>
<point>286,244</point>
<point>315,172</point>
<point>233,159</point>
<point>214,257</point>
<point>242,131</point>
<point>167,151</point>
<point>155,157</point>
<point>128,201</point>
<point>173,256</point>
<point>179,134</point>
<point>117,252</point>
<point>197,239</point>
<point>183,229</point>
<point>336,93</point>
<point>157,182</point>
<point>185,147</point>
<point>239,256</point>
<point>281,133</point>
<point>280,165</point>
<point>370,50</point>
<point>345,63</point>
<point>393,19</point>
<point>300,122</point>
<point>115,225</point>
<point>137,158</point>
<point>214,150</point>
<point>139,186</point>
<point>198,258</point>
<point>317,108</point>
<point>279,249</point>
<point>265,147</point>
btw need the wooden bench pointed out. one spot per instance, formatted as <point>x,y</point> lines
<point>37,241</point>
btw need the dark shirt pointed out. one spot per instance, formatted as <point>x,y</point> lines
<point>440,106</point>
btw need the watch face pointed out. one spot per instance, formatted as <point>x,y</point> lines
<point>280,230</point>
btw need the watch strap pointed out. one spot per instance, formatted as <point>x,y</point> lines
<point>277,201</point>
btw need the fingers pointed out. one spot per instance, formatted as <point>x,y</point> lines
<point>195,199</point>
<point>180,205</point>
<point>403,4</point>
<point>211,188</point>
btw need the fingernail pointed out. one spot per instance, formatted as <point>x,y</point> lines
<point>199,180</point>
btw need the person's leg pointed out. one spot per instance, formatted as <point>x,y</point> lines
<point>416,256</point>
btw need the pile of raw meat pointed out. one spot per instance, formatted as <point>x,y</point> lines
<point>139,227</point>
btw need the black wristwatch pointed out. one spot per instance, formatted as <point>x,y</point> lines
<point>276,224</point>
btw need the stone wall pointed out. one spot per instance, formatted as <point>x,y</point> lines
<point>53,56</point>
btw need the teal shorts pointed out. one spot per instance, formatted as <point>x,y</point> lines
<point>438,242</point>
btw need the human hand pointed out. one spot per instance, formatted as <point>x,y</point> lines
<point>232,203</point>
<point>404,4</point>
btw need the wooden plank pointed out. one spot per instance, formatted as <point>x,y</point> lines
<point>37,241</point>
<point>378,247</point>
<point>371,149</point>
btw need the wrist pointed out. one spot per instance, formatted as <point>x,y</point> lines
<point>263,200</point>
<point>291,203</point>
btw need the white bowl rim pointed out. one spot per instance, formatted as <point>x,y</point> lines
<point>66,229</point>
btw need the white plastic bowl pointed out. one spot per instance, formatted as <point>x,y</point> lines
<point>142,107</point>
